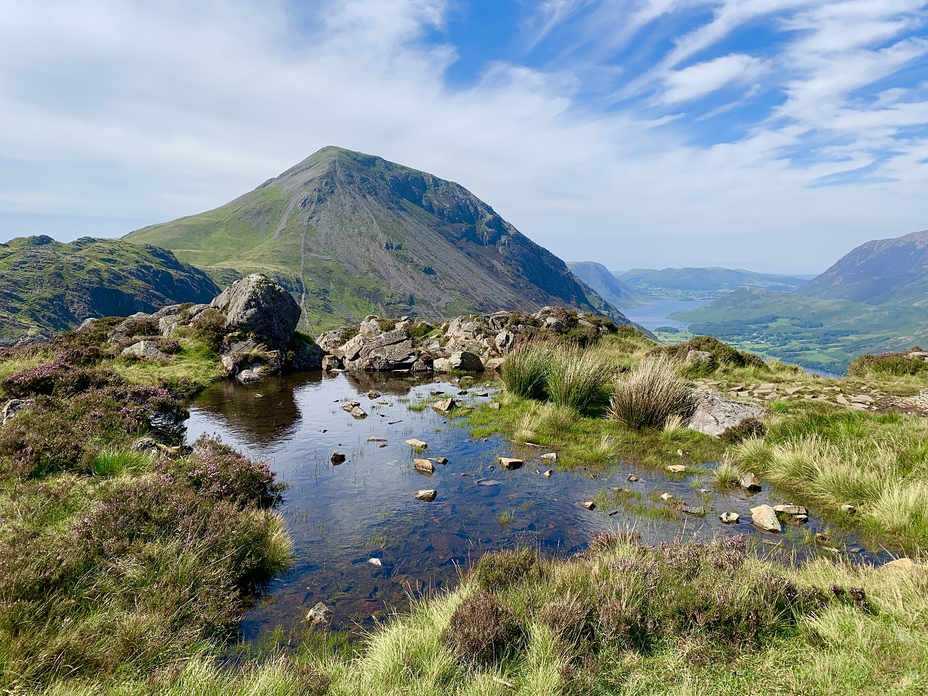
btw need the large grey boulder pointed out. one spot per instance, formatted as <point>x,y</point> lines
<point>258,306</point>
<point>715,413</point>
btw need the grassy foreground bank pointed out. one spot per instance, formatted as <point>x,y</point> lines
<point>130,564</point>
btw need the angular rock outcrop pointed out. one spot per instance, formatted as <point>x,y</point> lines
<point>715,413</point>
<point>259,307</point>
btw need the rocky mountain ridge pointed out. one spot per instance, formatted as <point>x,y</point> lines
<point>48,286</point>
<point>351,234</point>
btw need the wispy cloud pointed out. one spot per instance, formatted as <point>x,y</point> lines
<point>740,121</point>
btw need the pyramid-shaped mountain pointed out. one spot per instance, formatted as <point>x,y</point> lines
<point>351,234</point>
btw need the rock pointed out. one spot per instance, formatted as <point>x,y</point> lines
<point>666,497</point>
<point>418,444</point>
<point>676,469</point>
<point>375,562</point>
<point>248,377</point>
<point>899,564</point>
<point>465,361</point>
<point>509,463</point>
<point>426,494</point>
<point>699,357</point>
<point>441,365</point>
<point>144,350</point>
<point>495,363</point>
<point>589,505</point>
<point>504,340</point>
<point>257,306</point>
<point>494,406</point>
<point>549,457</point>
<point>306,357</point>
<point>715,413</point>
<point>750,482</point>
<point>320,616</point>
<point>440,460</point>
<point>729,517</point>
<point>548,473</point>
<point>849,509</point>
<point>352,349</point>
<point>424,466</point>
<point>338,458</point>
<point>696,511</point>
<point>444,406</point>
<point>329,341</point>
<point>632,478</point>
<point>370,328</point>
<point>841,400</point>
<point>354,408</point>
<point>330,363</point>
<point>765,518</point>
<point>373,394</point>
<point>145,444</point>
<point>376,439</point>
<point>791,510</point>
<point>12,407</point>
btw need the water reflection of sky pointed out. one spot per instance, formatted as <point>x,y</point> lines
<point>342,516</point>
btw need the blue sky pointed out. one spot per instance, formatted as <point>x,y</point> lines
<point>766,134</point>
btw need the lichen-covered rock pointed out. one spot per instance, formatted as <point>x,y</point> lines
<point>715,413</point>
<point>144,350</point>
<point>257,306</point>
<point>305,357</point>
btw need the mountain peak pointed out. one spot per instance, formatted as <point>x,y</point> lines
<point>352,234</point>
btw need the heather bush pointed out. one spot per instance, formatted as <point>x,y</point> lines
<point>497,571</point>
<point>650,394</point>
<point>889,365</point>
<point>722,354</point>
<point>482,631</point>
<point>218,471</point>
<point>209,328</point>
<point>744,430</point>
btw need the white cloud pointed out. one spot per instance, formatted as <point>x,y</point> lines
<point>147,111</point>
<point>704,78</point>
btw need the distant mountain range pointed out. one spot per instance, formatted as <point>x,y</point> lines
<point>881,272</point>
<point>874,299</point>
<point>702,283</point>
<point>352,234</point>
<point>47,286</point>
<point>606,285</point>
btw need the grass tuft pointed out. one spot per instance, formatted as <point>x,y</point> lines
<point>650,394</point>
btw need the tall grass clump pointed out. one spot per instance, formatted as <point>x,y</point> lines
<point>577,379</point>
<point>525,372</point>
<point>650,394</point>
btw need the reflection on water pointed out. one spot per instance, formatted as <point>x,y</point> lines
<point>341,517</point>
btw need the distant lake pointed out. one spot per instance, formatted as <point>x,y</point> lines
<point>655,314</point>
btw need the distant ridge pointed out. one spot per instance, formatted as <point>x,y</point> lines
<point>882,271</point>
<point>47,286</point>
<point>351,234</point>
<point>702,283</point>
<point>606,285</point>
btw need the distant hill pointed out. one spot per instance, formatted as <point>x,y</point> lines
<point>606,285</point>
<point>884,271</point>
<point>351,234</point>
<point>47,286</point>
<point>702,283</point>
<point>874,299</point>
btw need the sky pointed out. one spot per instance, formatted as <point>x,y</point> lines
<point>773,135</point>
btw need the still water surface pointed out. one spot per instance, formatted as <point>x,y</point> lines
<point>656,314</point>
<point>341,517</point>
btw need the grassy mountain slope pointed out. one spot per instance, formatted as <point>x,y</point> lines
<point>883,271</point>
<point>606,285</point>
<point>350,234</point>
<point>702,283</point>
<point>823,334</point>
<point>47,286</point>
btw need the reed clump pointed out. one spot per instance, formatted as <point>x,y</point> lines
<point>650,394</point>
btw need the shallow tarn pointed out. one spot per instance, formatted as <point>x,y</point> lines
<point>341,518</point>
